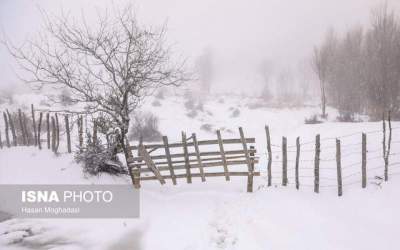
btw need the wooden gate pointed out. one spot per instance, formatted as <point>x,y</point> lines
<point>193,158</point>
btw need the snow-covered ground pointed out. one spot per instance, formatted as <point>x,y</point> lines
<point>219,214</point>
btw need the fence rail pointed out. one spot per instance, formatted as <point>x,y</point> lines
<point>301,164</point>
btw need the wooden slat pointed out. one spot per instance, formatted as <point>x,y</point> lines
<point>186,156</point>
<point>231,152</point>
<point>245,148</point>
<point>205,165</point>
<point>169,161</point>
<point>151,165</point>
<point>194,160</point>
<point>221,149</point>
<point>145,178</point>
<point>199,161</point>
<point>200,143</point>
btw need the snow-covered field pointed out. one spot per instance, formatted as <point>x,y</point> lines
<point>219,214</point>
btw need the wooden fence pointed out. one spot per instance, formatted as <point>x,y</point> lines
<point>193,158</point>
<point>151,164</point>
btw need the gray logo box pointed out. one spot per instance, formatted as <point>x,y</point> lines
<point>70,201</point>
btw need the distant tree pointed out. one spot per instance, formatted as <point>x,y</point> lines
<point>382,54</point>
<point>321,61</point>
<point>265,70</point>
<point>285,86</point>
<point>205,69</point>
<point>346,78</point>
<point>110,66</point>
<point>360,72</point>
<point>304,73</point>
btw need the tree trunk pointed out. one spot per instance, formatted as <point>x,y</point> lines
<point>323,99</point>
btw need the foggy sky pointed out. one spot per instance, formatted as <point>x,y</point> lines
<point>240,33</point>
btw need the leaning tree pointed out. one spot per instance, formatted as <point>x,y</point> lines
<point>109,65</point>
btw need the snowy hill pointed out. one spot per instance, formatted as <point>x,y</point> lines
<point>219,214</point>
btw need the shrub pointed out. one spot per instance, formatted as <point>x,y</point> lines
<point>346,117</point>
<point>192,114</point>
<point>65,98</point>
<point>160,94</point>
<point>207,127</point>
<point>235,113</point>
<point>156,103</point>
<point>44,103</point>
<point>312,120</point>
<point>145,126</point>
<point>6,96</point>
<point>257,104</point>
<point>27,123</point>
<point>96,159</point>
<point>189,104</point>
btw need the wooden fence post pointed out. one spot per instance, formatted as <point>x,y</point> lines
<point>199,161</point>
<point>21,124</point>
<point>6,130</point>
<point>169,159</point>
<point>133,169</point>
<point>316,163</point>
<point>249,161</point>
<point>250,177</point>
<point>57,133</point>
<point>80,131</point>
<point>186,156</point>
<point>94,136</point>
<point>150,164</point>
<point>384,147</point>
<point>34,126</point>
<point>388,147</point>
<point>53,135</point>
<point>284,162</point>
<point>27,134</point>
<point>269,156</point>
<point>48,129</point>
<point>222,151</point>
<point>68,133</point>
<point>297,162</point>
<point>12,126</point>
<point>39,131</point>
<point>339,167</point>
<point>364,160</point>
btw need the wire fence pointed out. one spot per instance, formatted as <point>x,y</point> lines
<point>334,165</point>
<point>311,163</point>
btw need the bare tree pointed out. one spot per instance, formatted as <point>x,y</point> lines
<point>205,69</point>
<point>110,66</point>
<point>304,72</point>
<point>321,62</point>
<point>265,70</point>
<point>383,53</point>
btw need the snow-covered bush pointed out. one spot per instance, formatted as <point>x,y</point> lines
<point>6,96</point>
<point>156,103</point>
<point>65,98</point>
<point>189,104</point>
<point>145,126</point>
<point>235,113</point>
<point>161,94</point>
<point>97,158</point>
<point>207,127</point>
<point>192,114</point>
<point>27,124</point>
<point>312,120</point>
<point>346,117</point>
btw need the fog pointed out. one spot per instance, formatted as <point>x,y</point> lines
<point>240,34</point>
